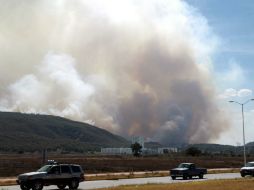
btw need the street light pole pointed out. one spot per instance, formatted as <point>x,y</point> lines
<point>242,104</point>
<point>244,150</point>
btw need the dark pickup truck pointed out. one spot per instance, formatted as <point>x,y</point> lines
<point>187,170</point>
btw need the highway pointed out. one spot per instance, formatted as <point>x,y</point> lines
<point>136,181</point>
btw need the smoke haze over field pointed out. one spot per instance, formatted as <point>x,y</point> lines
<point>132,67</point>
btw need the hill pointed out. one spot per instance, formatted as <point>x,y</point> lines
<point>33,132</point>
<point>224,149</point>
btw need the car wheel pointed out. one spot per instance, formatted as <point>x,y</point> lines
<point>37,185</point>
<point>243,175</point>
<point>173,177</point>
<point>74,184</point>
<point>24,186</point>
<point>184,176</point>
<point>190,177</point>
<point>61,186</point>
<point>201,176</point>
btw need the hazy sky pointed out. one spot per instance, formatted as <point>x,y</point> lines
<point>232,21</point>
<point>163,69</point>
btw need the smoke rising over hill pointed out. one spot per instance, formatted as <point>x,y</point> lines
<point>132,67</point>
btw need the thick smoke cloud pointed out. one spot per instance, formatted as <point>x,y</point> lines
<point>132,67</point>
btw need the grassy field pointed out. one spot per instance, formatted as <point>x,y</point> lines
<point>236,184</point>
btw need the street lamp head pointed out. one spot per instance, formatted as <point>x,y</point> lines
<point>231,101</point>
<point>252,99</point>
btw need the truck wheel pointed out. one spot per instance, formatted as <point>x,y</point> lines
<point>37,185</point>
<point>201,176</point>
<point>184,176</point>
<point>74,184</point>
<point>61,186</point>
<point>24,186</point>
<point>173,177</point>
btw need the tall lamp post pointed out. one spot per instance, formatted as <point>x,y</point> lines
<point>242,104</point>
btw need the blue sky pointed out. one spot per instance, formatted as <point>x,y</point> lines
<point>232,21</point>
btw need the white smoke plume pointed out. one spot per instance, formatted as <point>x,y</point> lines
<point>132,67</point>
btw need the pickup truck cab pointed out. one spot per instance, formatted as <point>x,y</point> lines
<point>187,170</point>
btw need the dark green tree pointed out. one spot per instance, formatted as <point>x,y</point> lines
<point>136,149</point>
<point>193,151</point>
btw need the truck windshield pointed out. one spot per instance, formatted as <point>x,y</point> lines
<point>44,168</point>
<point>184,166</point>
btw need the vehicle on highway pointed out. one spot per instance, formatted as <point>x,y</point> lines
<point>187,170</point>
<point>248,169</point>
<point>52,173</point>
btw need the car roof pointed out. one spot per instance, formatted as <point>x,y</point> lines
<point>62,165</point>
<point>187,163</point>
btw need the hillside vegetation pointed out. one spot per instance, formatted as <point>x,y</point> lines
<point>32,132</point>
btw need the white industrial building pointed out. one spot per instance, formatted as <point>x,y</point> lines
<point>139,140</point>
<point>167,150</point>
<point>145,151</point>
<point>116,151</point>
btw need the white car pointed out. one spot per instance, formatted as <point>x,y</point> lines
<point>248,169</point>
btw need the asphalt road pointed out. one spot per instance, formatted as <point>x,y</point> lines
<point>112,183</point>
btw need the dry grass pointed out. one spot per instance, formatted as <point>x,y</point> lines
<point>226,170</point>
<point>14,164</point>
<point>236,184</point>
<point>126,175</point>
<point>9,181</point>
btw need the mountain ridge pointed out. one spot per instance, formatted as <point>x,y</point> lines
<point>32,132</point>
